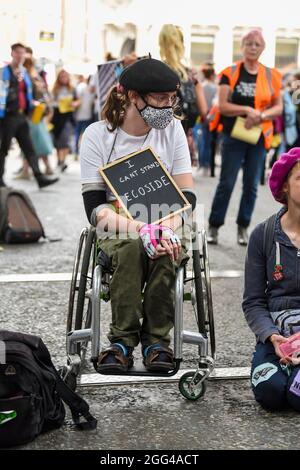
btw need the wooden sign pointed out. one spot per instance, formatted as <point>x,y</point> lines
<point>144,188</point>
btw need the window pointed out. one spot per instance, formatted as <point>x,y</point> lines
<point>286,52</point>
<point>202,49</point>
<point>238,33</point>
<point>237,49</point>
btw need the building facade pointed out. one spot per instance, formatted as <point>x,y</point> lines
<point>78,33</point>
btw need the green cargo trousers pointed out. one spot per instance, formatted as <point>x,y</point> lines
<point>146,318</point>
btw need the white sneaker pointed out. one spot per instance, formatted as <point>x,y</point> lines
<point>22,176</point>
<point>212,235</point>
<point>242,236</point>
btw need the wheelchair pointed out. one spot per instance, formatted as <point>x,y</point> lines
<point>90,288</point>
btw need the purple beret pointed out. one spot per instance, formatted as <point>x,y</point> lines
<point>280,170</point>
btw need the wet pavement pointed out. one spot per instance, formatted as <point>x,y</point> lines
<point>144,416</point>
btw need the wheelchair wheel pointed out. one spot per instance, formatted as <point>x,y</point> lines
<point>208,294</point>
<point>198,290</point>
<point>191,387</point>
<point>79,311</point>
<point>202,288</point>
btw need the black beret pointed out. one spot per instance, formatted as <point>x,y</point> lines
<point>149,75</point>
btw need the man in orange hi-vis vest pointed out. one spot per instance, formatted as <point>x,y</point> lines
<point>250,90</point>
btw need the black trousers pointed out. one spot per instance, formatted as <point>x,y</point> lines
<point>16,125</point>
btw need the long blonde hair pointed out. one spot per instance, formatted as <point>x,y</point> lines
<point>57,84</point>
<point>114,108</point>
<point>172,48</point>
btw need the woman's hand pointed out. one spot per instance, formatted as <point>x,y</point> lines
<point>253,118</point>
<point>171,242</point>
<point>159,240</point>
<point>75,104</point>
<point>276,340</point>
<point>167,248</point>
<point>295,361</point>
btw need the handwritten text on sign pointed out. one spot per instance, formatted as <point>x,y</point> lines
<point>148,187</point>
<point>143,186</point>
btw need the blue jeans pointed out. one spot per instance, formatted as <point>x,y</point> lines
<point>236,155</point>
<point>80,127</point>
<point>274,387</point>
<point>204,146</point>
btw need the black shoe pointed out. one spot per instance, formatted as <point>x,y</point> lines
<point>63,167</point>
<point>212,235</point>
<point>242,236</point>
<point>44,181</point>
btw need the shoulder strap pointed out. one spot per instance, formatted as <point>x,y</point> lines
<point>78,406</point>
<point>269,229</point>
<point>268,71</point>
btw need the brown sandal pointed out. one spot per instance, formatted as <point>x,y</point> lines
<point>158,358</point>
<point>114,360</point>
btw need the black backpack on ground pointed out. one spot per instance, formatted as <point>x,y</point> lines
<point>32,392</point>
<point>188,102</point>
<point>19,222</point>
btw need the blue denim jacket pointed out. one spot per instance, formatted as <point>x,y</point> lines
<point>262,294</point>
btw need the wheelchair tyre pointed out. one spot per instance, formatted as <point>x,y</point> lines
<point>208,295</point>
<point>86,261</point>
<point>199,292</point>
<point>77,303</point>
<point>73,286</point>
<point>192,389</point>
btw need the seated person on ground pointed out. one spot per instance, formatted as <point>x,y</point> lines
<point>272,297</point>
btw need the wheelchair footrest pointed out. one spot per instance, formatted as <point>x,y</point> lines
<point>139,370</point>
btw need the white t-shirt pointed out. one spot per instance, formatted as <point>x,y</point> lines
<point>169,144</point>
<point>94,83</point>
<point>84,112</point>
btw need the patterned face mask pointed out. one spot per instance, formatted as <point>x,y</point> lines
<point>157,118</point>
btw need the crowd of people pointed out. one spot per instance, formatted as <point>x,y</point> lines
<point>58,116</point>
<point>39,118</point>
<point>184,114</point>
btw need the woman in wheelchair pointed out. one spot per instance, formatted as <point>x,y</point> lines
<point>139,112</point>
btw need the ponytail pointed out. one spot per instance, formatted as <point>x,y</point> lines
<point>114,108</point>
